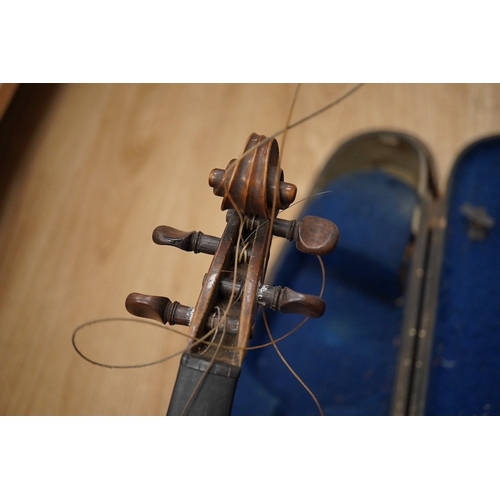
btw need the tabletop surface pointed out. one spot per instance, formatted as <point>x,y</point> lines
<point>88,171</point>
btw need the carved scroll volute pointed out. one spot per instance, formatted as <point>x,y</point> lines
<point>253,184</point>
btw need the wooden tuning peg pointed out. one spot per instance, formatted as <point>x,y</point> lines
<point>288,301</point>
<point>194,241</point>
<point>312,235</point>
<point>158,308</point>
<point>277,298</point>
<point>315,235</point>
<point>165,311</point>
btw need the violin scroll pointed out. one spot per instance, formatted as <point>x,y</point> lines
<point>254,184</point>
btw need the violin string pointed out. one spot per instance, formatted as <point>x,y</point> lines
<point>93,322</point>
<point>214,330</point>
<point>200,341</point>
<point>290,369</point>
<point>269,240</point>
<point>302,323</point>
<point>240,250</point>
<point>213,358</point>
<point>203,339</point>
<point>304,119</point>
<point>302,200</point>
<point>204,375</point>
<point>193,342</point>
<point>287,125</point>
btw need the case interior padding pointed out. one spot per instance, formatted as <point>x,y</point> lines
<point>464,375</point>
<point>348,357</point>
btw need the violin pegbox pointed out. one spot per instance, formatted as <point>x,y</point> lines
<point>253,191</point>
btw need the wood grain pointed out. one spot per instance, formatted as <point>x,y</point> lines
<point>88,171</point>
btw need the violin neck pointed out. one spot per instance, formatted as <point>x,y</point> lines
<point>203,387</point>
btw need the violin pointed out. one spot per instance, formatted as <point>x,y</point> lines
<point>221,324</point>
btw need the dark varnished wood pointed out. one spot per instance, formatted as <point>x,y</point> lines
<point>253,184</point>
<point>312,235</point>
<point>316,236</point>
<point>165,311</point>
<point>277,298</point>
<point>194,241</point>
<point>209,298</point>
<point>253,189</point>
<point>286,300</point>
<point>159,309</point>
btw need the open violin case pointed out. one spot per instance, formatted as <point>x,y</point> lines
<point>412,324</point>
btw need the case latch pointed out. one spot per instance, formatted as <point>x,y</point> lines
<point>480,222</point>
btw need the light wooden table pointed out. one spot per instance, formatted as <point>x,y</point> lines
<point>88,171</point>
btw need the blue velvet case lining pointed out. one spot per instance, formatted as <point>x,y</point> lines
<point>465,368</point>
<point>348,357</point>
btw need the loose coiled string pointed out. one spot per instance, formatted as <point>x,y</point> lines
<point>242,258</point>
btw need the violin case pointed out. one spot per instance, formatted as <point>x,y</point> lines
<point>412,291</point>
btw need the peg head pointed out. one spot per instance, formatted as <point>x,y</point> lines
<point>316,236</point>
